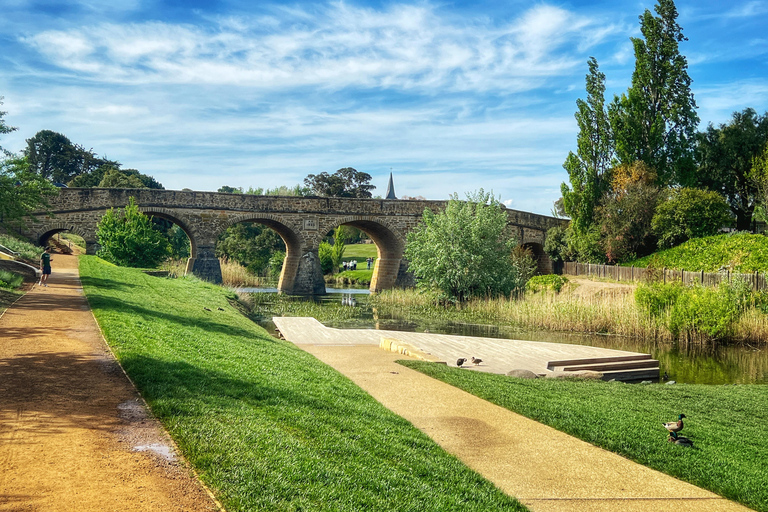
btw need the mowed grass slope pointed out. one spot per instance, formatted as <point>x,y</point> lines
<point>728,424</point>
<point>266,425</point>
<point>741,252</point>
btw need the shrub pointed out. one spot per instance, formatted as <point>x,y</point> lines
<point>463,250</point>
<point>547,282</point>
<point>129,239</point>
<point>655,299</point>
<point>10,279</point>
<point>689,213</point>
<point>695,310</point>
<point>325,253</point>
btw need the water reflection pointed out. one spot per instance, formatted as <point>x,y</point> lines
<point>694,364</point>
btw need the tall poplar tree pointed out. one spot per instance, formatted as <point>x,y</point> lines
<point>589,168</point>
<point>655,121</point>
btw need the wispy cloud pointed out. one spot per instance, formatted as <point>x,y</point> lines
<point>404,47</point>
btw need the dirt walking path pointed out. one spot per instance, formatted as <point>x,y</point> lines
<point>547,470</point>
<point>74,434</point>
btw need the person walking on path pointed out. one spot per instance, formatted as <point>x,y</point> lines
<point>45,266</point>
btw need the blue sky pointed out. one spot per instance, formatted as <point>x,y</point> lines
<point>451,96</point>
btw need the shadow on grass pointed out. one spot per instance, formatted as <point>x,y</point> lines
<point>205,319</point>
<point>108,284</point>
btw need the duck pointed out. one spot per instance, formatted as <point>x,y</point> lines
<point>679,440</point>
<point>675,426</point>
<point>460,361</point>
<point>476,361</point>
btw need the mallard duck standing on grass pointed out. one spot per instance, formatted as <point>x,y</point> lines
<point>675,426</point>
<point>679,440</point>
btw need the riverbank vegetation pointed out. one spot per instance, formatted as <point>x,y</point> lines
<point>266,425</point>
<point>726,423</point>
<point>666,313</point>
<point>737,252</point>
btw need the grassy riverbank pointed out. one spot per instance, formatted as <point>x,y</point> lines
<point>267,426</point>
<point>604,310</point>
<point>740,252</point>
<point>728,424</point>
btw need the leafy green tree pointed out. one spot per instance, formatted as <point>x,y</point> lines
<point>725,157</point>
<point>464,252</point>
<point>129,238</point>
<point>21,190</point>
<point>589,168</point>
<point>337,249</point>
<point>759,174</point>
<point>4,128</point>
<point>346,182</point>
<point>250,244</point>
<point>230,190</point>
<point>116,179</point>
<point>689,213</point>
<point>655,121</point>
<point>625,222</point>
<point>325,255</point>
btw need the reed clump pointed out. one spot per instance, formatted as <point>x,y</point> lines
<point>235,275</point>
<point>622,312</point>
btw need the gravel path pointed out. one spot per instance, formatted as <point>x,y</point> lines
<point>74,434</point>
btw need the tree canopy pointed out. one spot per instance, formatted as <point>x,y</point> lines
<point>21,191</point>
<point>129,238</point>
<point>589,168</point>
<point>4,128</point>
<point>346,182</point>
<point>464,251</point>
<point>655,121</point>
<point>725,157</point>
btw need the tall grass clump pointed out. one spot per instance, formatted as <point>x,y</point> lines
<point>235,275</point>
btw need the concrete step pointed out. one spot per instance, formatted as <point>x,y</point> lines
<point>633,375</point>
<point>603,367</point>
<point>597,360</point>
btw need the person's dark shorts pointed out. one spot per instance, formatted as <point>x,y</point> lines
<point>47,270</point>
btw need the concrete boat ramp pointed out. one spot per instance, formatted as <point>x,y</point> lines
<point>498,355</point>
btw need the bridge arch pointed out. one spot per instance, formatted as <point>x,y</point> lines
<point>296,254</point>
<point>172,216</point>
<point>48,229</point>
<point>390,269</point>
<point>543,263</point>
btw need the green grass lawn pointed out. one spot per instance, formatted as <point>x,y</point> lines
<point>741,252</point>
<point>728,424</point>
<point>360,252</point>
<point>266,425</point>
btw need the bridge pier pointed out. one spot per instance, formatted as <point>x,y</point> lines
<point>91,247</point>
<point>205,265</point>
<point>302,275</point>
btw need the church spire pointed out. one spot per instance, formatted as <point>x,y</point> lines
<point>391,188</point>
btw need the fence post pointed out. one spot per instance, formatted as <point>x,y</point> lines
<point>664,270</point>
<point>702,278</point>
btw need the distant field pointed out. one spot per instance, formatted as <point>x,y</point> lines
<point>360,252</point>
<point>738,253</point>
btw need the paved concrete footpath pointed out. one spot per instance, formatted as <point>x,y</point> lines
<point>74,434</point>
<point>542,467</point>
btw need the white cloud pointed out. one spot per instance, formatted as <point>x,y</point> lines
<point>403,47</point>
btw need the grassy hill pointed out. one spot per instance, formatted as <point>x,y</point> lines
<point>265,424</point>
<point>741,252</point>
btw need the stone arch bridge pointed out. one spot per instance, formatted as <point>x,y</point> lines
<point>302,222</point>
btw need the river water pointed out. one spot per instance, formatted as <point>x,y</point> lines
<point>694,364</point>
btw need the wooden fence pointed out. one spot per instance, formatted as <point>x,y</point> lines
<point>757,280</point>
